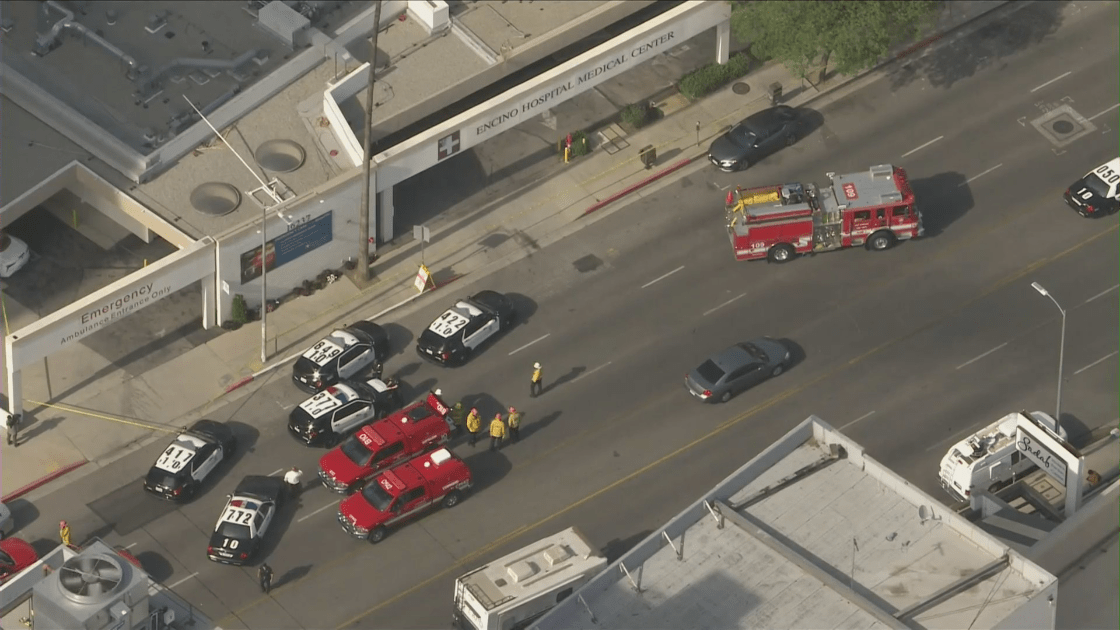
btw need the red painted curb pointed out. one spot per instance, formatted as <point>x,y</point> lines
<point>242,383</point>
<point>19,492</point>
<point>645,182</point>
<point>447,282</point>
<point>922,44</point>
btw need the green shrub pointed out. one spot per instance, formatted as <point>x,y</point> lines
<point>580,145</point>
<point>709,78</point>
<point>636,115</point>
<point>240,314</point>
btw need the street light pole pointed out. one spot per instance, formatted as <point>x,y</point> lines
<point>1061,348</point>
<point>264,286</point>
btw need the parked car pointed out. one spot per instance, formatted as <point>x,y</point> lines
<point>14,254</point>
<point>464,328</point>
<point>345,353</point>
<point>182,468</point>
<point>7,523</point>
<point>737,368</point>
<point>15,556</point>
<point>756,137</point>
<point>244,520</point>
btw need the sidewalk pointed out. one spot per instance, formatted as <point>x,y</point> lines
<point>104,421</point>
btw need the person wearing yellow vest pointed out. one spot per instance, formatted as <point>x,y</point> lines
<point>474,425</point>
<point>64,533</point>
<point>536,386</point>
<point>497,432</point>
<point>514,421</point>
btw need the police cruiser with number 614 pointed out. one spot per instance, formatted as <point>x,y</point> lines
<point>344,353</point>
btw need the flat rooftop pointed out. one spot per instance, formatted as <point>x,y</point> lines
<point>810,534</point>
<point>264,95</point>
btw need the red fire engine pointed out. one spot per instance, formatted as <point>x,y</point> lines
<point>874,208</point>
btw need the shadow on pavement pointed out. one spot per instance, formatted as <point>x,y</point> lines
<point>36,427</point>
<point>564,379</point>
<point>530,425</point>
<point>943,198</point>
<point>24,513</point>
<point>524,307</point>
<point>487,406</point>
<point>808,121</point>
<point>413,393</point>
<point>156,565</point>
<point>292,575</point>
<point>400,338</point>
<point>487,467</point>
<point>285,514</point>
<point>247,436</point>
<point>129,508</point>
<point>618,547</point>
<point>986,48</point>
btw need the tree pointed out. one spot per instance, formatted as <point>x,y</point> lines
<point>853,35</point>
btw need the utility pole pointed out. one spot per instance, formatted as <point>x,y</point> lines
<point>363,217</point>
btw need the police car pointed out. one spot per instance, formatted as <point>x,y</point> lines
<point>245,519</point>
<point>462,329</point>
<point>332,414</point>
<point>1096,194</point>
<point>344,353</point>
<point>181,469</point>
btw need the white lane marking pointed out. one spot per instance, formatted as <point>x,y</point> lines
<point>317,511</point>
<point>974,360</point>
<point>863,417</point>
<point>1102,294</point>
<point>529,344</point>
<point>952,440</point>
<point>182,580</point>
<point>592,371</point>
<point>972,179</point>
<point>284,407</point>
<point>130,546</point>
<point>1104,112</point>
<point>276,472</point>
<point>923,146</point>
<point>663,277</point>
<point>708,312</point>
<point>1098,361</point>
<point>1057,78</point>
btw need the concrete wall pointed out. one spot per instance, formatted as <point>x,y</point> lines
<point>342,197</point>
<point>1037,613</point>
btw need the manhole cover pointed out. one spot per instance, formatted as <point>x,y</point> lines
<point>281,156</point>
<point>215,198</point>
<point>740,88</point>
<point>1063,126</point>
<point>587,263</point>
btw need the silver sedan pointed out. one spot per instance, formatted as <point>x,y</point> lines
<point>737,368</point>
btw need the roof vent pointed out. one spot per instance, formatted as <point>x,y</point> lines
<point>282,21</point>
<point>882,170</point>
<point>215,198</point>
<point>90,579</point>
<point>520,571</point>
<point>281,156</point>
<point>440,456</point>
<point>556,554</point>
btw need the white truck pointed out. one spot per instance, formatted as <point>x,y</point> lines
<point>515,590</point>
<point>988,458</point>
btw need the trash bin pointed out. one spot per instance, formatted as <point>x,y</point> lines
<point>648,155</point>
<point>775,93</point>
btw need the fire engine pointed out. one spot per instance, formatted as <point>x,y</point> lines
<point>874,208</point>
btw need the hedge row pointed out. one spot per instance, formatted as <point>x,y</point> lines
<point>711,77</point>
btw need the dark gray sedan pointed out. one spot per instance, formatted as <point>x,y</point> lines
<point>737,368</point>
<point>759,135</point>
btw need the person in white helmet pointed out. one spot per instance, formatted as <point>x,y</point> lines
<point>536,385</point>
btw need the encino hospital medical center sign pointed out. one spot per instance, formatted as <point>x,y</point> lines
<point>569,82</point>
<point>111,304</point>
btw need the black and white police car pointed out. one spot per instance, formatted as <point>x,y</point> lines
<point>1096,194</point>
<point>462,329</point>
<point>344,353</point>
<point>181,469</point>
<point>332,414</point>
<point>245,519</point>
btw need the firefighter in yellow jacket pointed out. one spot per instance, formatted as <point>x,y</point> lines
<point>514,421</point>
<point>474,425</point>
<point>536,386</point>
<point>458,418</point>
<point>497,432</point>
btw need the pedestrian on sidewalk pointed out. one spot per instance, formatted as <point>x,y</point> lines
<point>264,574</point>
<point>497,432</point>
<point>293,478</point>
<point>11,427</point>
<point>536,386</point>
<point>514,421</point>
<point>474,425</point>
<point>64,532</point>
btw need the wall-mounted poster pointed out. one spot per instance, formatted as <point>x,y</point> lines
<point>297,241</point>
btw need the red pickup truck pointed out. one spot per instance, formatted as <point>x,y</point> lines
<point>398,438</point>
<point>403,492</point>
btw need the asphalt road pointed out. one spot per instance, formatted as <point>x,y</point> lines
<point>907,350</point>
